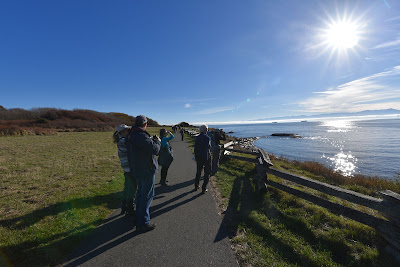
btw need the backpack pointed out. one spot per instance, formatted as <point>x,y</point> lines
<point>165,156</point>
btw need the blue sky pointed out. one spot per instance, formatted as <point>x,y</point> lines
<point>201,61</point>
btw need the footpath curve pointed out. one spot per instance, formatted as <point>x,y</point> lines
<point>188,231</point>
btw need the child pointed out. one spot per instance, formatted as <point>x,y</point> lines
<point>130,183</point>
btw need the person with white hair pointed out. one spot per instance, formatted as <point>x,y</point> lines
<point>130,186</point>
<point>202,155</point>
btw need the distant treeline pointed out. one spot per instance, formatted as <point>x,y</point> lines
<point>17,121</point>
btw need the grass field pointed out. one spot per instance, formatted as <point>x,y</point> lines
<point>279,229</point>
<point>54,190</point>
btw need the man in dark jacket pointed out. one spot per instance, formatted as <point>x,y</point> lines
<point>218,135</point>
<point>202,155</point>
<point>142,151</point>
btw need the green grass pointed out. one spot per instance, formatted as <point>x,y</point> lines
<point>279,229</point>
<point>54,190</point>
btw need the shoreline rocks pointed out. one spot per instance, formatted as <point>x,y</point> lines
<point>291,135</point>
<point>246,143</point>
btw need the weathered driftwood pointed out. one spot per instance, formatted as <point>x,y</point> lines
<point>264,156</point>
<point>370,202</point>
<point>230,143</point>
<point>242,151</point>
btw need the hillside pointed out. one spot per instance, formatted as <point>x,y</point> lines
<point>19,121</point>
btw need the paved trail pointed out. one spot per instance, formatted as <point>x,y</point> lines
<point>188,229</point>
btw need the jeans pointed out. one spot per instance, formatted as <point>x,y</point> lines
<point>206,164</point>
<point>144,197</point>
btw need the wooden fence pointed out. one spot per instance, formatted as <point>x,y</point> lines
<point>388,205</point>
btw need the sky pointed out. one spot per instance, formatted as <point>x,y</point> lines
<point>201,61</point>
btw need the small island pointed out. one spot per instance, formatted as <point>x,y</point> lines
<point>291,135</point>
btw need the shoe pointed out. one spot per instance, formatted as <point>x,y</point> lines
<point>204,191</point>
<point>130,212</point>
<point>123,208</point>
<point>146,228</point>
<point>196,187</point>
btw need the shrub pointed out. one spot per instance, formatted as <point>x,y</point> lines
<point>42,120</point>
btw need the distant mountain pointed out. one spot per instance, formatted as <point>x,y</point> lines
<point>380,112</point>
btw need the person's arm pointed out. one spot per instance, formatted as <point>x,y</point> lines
<point>170,137</point>
<point>152,146</point>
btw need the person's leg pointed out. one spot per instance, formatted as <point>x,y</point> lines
<point>140,207</point>
<point>207,171</point>
<point>198,174</point>
<point>125,195</point>
<point>148,195</point>
<point>131,193</point>
<point>164,171</point>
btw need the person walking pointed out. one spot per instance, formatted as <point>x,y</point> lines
<point>130,183</point>
<point>182,133</point>
<point>165,157</point>
<point>202,155</point>
<point>142,151</point>
<point>216,137</point>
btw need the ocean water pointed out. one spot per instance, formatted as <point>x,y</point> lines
<point>370,147</point>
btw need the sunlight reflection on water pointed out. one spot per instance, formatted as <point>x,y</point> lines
<point>338,126</point>
<point>342,162</point>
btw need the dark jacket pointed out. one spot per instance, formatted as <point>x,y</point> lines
<point>202,146</point>
<point>216,137</point>
<point>142,152</point>
<point>220,135</point>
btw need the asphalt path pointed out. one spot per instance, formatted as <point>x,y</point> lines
<point>188,232</point>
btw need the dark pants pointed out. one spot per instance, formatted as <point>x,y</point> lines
<point>182,136</point>
<point>206,164</point>
<point>164,172</point>
<point>215,161</point>
<point>144,197</point>
<point>129,192</point>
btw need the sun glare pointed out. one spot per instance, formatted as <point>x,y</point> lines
<point>342,35</point>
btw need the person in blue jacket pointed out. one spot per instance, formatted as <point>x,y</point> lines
<point>202,155</point>
<point>142,152</point>
<point>166,162</point>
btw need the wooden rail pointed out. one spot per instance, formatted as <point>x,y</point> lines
<point>388,205</point>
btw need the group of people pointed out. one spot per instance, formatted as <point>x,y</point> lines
<point>138,151</point>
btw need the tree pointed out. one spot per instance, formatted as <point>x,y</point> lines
<point>2,108</point>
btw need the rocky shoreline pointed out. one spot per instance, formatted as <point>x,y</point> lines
<point>246,143</point>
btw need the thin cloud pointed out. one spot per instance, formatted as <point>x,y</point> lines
<point>378,91</point>
<point>393,19</point>
<point>187,105</point>
<point>390,44</point>
<point>215,110</point>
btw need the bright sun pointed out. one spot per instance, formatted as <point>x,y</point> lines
<point>342,35</point>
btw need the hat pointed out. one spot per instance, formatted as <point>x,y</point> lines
<point>140,120</point>
<point>122,127</point>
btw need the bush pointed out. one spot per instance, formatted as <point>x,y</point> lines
<point>42,120</point>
